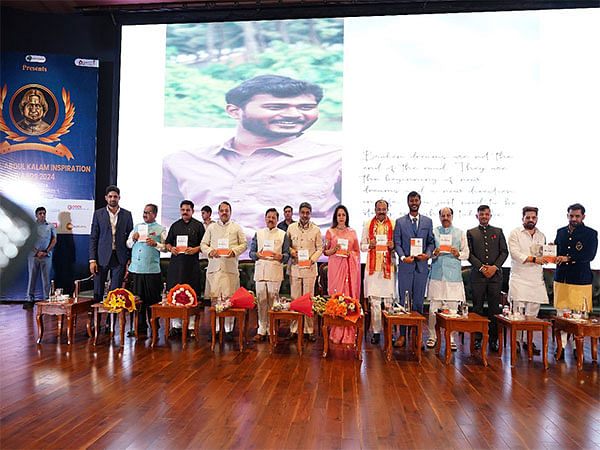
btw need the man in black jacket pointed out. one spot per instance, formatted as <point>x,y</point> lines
<point>488,251</point>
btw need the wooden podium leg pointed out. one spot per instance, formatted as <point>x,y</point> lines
<point>40,325</point>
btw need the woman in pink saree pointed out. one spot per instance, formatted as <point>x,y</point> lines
<point>343,269</point>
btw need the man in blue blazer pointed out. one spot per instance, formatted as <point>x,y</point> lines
<point>413,270</point>
<point>108,243</point>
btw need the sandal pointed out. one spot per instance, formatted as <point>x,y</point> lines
<point>431,343</point>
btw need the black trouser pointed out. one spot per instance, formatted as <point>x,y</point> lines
<point>117,273</point>
<point>148,287</point>
<point>490,290</point>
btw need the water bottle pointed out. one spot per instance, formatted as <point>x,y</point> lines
<point>52,290</point>
<point>407,305</point>
<point>164,294</point>
<point>465,309</point>
<point>584,313</point>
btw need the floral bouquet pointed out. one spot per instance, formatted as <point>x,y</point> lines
<point>243,298</point>
<point>182,295</point>
<point>282,304</point>
<point>222,305</point>
<point>340,305</point>
<point>118,299</point>
<point>303,304</point>
<point>319,304</point>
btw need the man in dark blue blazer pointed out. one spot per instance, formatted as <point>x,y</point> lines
<point>108,243</point>
<point>413,270</point>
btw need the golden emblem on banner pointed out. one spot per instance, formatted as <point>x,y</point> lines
<point>34,111</point>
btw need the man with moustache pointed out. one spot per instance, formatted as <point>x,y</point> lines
<point>488,251</point>
<point>270,248</point>
<point>577,246</point>
<point>306,246</point>
<point>445,278</point>
<point>183,241</point>
<point>108,251</point>
<point>526,286</point>
<point>269,148</point>
<point>223,242</point>
<point>380,281</point>
<point>146,241</point>
<point>288,212</point>
<point>412,268</point>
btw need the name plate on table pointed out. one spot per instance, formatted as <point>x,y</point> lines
<point>303,260</point>
<point>549,252</point>
<point>143,232</point>
<point>223,247</point>
<point>416,246</point>
<point>181,243</point>
<point>268,249</point>
<point>343,250</point>
<point>381,242</point>
<point>445,243</point>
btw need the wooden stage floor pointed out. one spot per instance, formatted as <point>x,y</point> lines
<point>58,396</point>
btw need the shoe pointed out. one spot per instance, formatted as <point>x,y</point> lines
<point>453,346</point>
<point>375,338</point>
<point>431,343</point>
<point>229,337</point>
<point>561,357</point>
<point>310,337</point>
<point>535,350</point>
<point>28,305</point>
<point>259,338</point>
<point>210,337</point>
<point>477,345</point>
<point>107,329</point>
<point>143,332</point>
<point>518,347</point>
<point>131,333</point>
<point>174,332</point>
<point>292,337</point>
<point>400,342</point>
<point>494,346</point>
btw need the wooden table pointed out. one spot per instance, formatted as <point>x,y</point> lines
<point>414,320</point>
<point>330,321</point>
<point>473,323</point>
<point>169,312</point>
<point>242,316</point>
<point>275,317</point>
<point>70,308</point>
<point>100,309</point>
<point>579,330</point>
<point>529,324</point>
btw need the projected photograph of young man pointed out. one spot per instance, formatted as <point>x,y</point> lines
<point>275,155</point>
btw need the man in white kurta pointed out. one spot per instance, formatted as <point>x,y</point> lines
<point>526,287</point>
<point>223,242</point>
<point>306,245</point>
<point>445,277</point>
<point>380,278</point>
<point>270,248</point>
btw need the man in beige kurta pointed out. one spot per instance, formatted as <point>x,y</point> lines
<point>223,242</point>
<point>306,245</point>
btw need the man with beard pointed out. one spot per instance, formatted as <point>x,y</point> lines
<point>526,286</point>
<point>577,245</point>
<point>487,253</point>
<point>306,245</point>
<point>412,267</point>
<point>445,278</point>
<point>183,241</point>
<point>268,161</point>
<point>380,280</point>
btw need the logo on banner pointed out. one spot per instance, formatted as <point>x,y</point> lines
<point>33,112</point>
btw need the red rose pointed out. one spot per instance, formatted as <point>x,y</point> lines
<point>182,298</point>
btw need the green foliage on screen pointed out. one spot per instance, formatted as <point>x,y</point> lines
<point>204,61</point>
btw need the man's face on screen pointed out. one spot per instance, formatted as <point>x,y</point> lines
<point>274,117</point>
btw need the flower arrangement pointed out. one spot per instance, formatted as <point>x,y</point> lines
<point>282,304</point>
<point>182,295</point>
<point>118,299</point>
<point>340,305</point>
<point>222,305</point>
<point>319,304</point>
